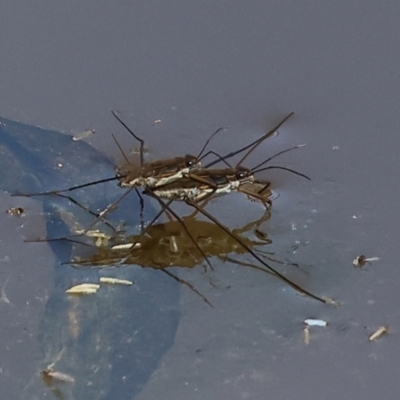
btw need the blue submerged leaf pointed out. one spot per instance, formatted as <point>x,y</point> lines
<point>110,342</point>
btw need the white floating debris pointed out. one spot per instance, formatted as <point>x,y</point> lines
<point>315,322</point>
<point>84,288</point>
<point>382,330</point>
<point>83,135</point>
<point>361,260</point>
<point>115,281</point>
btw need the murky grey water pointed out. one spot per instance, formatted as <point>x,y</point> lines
<point>196,67</point>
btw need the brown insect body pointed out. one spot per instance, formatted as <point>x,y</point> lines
<point>157,173</point>
<point>203,184</point>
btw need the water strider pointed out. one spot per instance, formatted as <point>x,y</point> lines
<point>220,183</point>
<point>205,183</point>
<point>162,173</point>
<point>211,183</point>
<point>153,174</point>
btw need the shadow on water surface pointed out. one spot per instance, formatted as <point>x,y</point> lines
<point>111,342</point>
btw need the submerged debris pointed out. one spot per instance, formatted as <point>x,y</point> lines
<point>382,330</point>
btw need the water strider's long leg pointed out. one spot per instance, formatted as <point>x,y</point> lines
<point>97,215</point>
<point>141,212</point>
<point>246,247</point>
<point>140,140</point>
<point>186,283</point>
<point>56,192</point>
<point>84,232</point>
<point>256,142</point>
<point>166,207</point>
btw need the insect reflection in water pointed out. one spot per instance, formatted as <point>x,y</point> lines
<point>167,245</point>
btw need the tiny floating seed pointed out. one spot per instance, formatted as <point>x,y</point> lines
<point>382,330</point>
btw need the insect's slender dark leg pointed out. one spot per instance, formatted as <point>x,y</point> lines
<point>56,192</point>
<point>109,208</point>
<point>284,169</point>
<point>276,155</point>
<point>121,149</point>
<point>189,285</point>
<point>208,141</point>
<point>100,217</point>
<point>97,215</point>
<point>65,238</point>
<point>141,141</point>
<point>245,264</point>
<point>179,219</point>
<point>166,207</point>
<point>256,142</point>
<point>220,158</point>
<point>146,229</point>
<point>141,210</point>
<point>246,247</point>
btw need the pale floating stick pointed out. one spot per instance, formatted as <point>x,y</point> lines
<point>381,331</point>
<point>83,289</point>
<point>115,281</point>
<point>306,335</point>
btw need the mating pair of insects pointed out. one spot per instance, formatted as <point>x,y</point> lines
<point>185,179</point>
